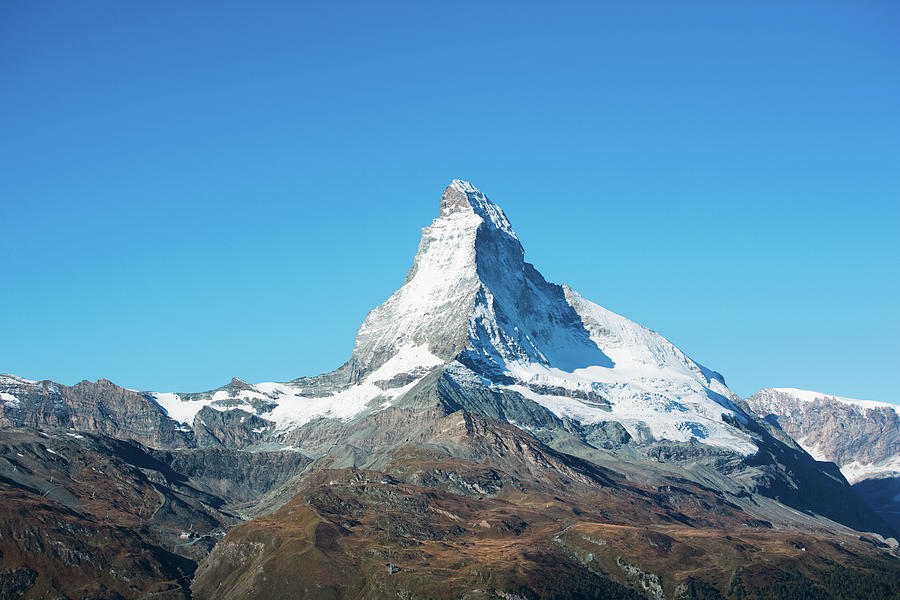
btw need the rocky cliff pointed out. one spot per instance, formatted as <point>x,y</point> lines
<point>861,437</point>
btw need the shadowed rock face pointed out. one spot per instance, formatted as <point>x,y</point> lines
<point>238,478</point>
<point>882,494</point>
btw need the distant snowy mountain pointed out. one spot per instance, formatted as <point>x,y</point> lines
<point>860,436</point>
<point>472,303</point>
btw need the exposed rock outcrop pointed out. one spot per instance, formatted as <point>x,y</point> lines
<point>861,437</point>
<point>101,406</point>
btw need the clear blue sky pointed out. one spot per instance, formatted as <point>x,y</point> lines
<point>195,191</point>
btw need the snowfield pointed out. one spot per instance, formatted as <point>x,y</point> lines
<point>293,408</point>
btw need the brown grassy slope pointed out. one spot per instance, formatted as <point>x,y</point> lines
<point>338,538</point>
<point>62,553</point>
<point>86,516</point>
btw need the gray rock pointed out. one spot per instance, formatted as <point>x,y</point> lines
<point>234,428</point>
<point>833,430</point>
<point>101,406</point>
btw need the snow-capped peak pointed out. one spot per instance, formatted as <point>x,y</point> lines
<point>462,196</point>
<point>470,302</point>
<point>471,297</point>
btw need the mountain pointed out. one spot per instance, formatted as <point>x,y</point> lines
<point>491,435</point>
<point>861,437</point>
<point>473,307</point>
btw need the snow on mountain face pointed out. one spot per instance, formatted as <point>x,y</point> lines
<point>10,384</point>
<point>862,437</point>
<point>439,291</point>
<point>470,299</point>
<point>649,383</point>
<point>291,405</point>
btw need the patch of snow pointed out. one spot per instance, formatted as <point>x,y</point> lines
<point>294,409</point>
<point>184,411</point>
<point>857,471</point>
<point>405,360</point>
<point>816,450</point>
<point>9,400</point>
<point>239,396</point>
<point>75,435</point>
<point>648,382</point>
<point>180,410</point>
<point>669,408</point>
<point>441,283</point>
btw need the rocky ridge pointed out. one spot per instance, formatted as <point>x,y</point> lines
<point>860,436</point>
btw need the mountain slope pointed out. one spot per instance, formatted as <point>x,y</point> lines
<point>470,296</point>
<point>460,506</point>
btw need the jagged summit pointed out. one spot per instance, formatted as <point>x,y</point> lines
<point>471,295</point>
<point>463,197</point>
